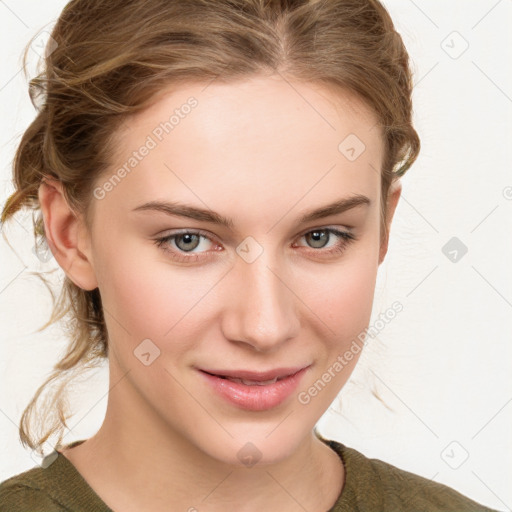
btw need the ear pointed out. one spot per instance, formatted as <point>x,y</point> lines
<point>66,235</point>
<point>394,193</point>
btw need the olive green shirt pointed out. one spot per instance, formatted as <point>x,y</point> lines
<point>370,485</point>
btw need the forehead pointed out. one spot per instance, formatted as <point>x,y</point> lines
<point>249,141</point>
<point>266,108</point>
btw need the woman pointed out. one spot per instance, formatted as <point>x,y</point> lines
<point>217,179</point>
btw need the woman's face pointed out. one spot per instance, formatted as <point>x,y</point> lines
<point>270,291</point>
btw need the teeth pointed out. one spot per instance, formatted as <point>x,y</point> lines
<point>252,382</point>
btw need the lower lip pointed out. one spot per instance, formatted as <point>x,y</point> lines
<point>255,398</point>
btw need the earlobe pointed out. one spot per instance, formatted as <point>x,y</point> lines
<point>395,190</point>
<point>65,234</point>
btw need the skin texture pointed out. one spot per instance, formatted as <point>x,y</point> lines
<point>262,153</point>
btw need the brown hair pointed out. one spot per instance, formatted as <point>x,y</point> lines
<point>110,58</point>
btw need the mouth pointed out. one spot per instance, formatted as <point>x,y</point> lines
<point>250,378</point>
<point>256,391</point>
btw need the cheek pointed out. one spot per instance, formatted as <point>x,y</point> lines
<point>143,297</point>
<point>344,304</point>
<point>344,297</point>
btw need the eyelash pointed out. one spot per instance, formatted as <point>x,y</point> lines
<point>162,243</point>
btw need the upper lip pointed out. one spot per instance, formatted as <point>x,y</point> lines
<point>256,376</point>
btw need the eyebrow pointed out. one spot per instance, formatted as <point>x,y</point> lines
<point>205,215</point>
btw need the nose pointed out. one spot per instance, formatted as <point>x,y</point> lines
<point>263,310</point>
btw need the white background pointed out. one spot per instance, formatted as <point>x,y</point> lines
<point>443,365</point>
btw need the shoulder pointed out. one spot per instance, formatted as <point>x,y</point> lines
<point>55,486</point>
<point>372,484</point>
<point>27,492</point>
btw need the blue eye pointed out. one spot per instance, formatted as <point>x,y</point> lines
<point>187,241</point>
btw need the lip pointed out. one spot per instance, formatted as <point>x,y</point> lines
<point>257,376</point>
<point>254,397</point>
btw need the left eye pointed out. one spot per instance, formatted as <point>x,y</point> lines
<point>187,241</point>
<point>319,236</point>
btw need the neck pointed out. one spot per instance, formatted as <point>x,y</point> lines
<point>135,462</point>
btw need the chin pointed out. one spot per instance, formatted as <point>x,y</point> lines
<point>255,445</point>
